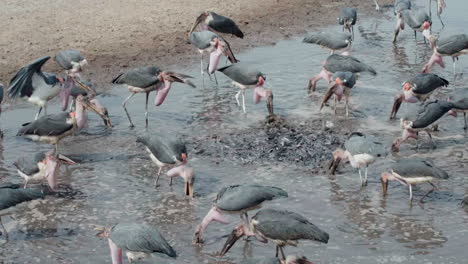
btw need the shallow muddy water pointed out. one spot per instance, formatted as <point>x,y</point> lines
<point>113,181</point>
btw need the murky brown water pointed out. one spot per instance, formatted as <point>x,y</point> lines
<point>113,181</point>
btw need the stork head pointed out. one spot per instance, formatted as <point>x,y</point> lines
<point>338,156</point>
<point>238,232</point>
<point>52,163</point>
<point>199,19</point>
<point>96,107</point>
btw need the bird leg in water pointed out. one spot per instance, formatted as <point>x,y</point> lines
<point>464,117</point>
<point>125,108</point>
<point>237,97</point>
<point>430,138</point>
<point>157,177</point>
<point>5,233</point>
<point>146,109</point>
<point>365,177</point>
<point>38,113</point>
<point>360,177</point>
<point>243,101</point>
<point>429,192</point>
<point>410,192</point>
<point>279,249</point>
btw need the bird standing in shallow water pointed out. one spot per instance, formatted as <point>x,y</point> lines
<point>429,114</point>
<point>44,166</point>
<point>280,226</point>
<point>417,89</point>
<point>237,199</point>
<point>12,196</point>
<point>139,241</point>
<point>146,80</point>
<point>167,152</point>
<point>36,86</point>
<point>411,171</point>
<point>360,150</point>
<point>245,76</point>
<point>213,22</point>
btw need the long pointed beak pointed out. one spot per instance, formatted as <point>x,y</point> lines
<point>232,239</point>
<point>269,102</point>
<point>396,107</point>
<point>384,186</point>
<point>198,21</point>
<point>334,165</point>
<point>102,112</point>
<point>189,189</point>
<point>328,94</point>
<point>85,87</point>
<point>65,160</point>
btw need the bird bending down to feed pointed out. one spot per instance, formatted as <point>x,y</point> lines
<point>43,166</point>
<point>429,114</point>
<point>166,152</point>
<point>418,89</point>
<point>341,85</point>
<point>244,77</point>
<point>398,8</point>
<point>12,196</point>
<point>335,63</point>
<point>52,128</point>
<point>146,80</point>
<point>36,86</point>
<point>460,104</point>
<point>440,8</point>
<point>280,226</point>
<point>410,171</point>
<point>209,42</point>
<point>272,260</point>
<point>348,18</point>
<point>213,22</point>
<point>139,240</point>
<point>334,41</point>
<point>237,199</point>
<point>361,151</point>
<point>453,46</point>
<point>416,19</point>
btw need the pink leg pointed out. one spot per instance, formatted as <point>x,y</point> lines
<point>213,215</point>
<point>116,253</point>
<point>322,75</point>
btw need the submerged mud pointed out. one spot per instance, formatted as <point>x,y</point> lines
<point>275,141</point>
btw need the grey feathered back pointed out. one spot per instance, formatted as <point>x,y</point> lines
<point>431,112</point>
<point>242,73</point>
<point>166,150</point>
<point>285,225</point>
<point>336,62</point>
<point>140,238</point>
<point>241,197</point>
<point>417,167</point>
<point>141,77</point>
<point>11,195</point>
<point>64,58</point>
<point>359,143</point>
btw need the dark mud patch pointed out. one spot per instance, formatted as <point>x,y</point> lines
<point>276,141</point>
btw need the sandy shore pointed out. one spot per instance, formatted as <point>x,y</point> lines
<point>115,35</point>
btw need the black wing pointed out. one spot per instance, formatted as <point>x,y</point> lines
<point>225,25</point>
<point>49,125</point>
<point>21,84</point>
<point>141,77</point>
